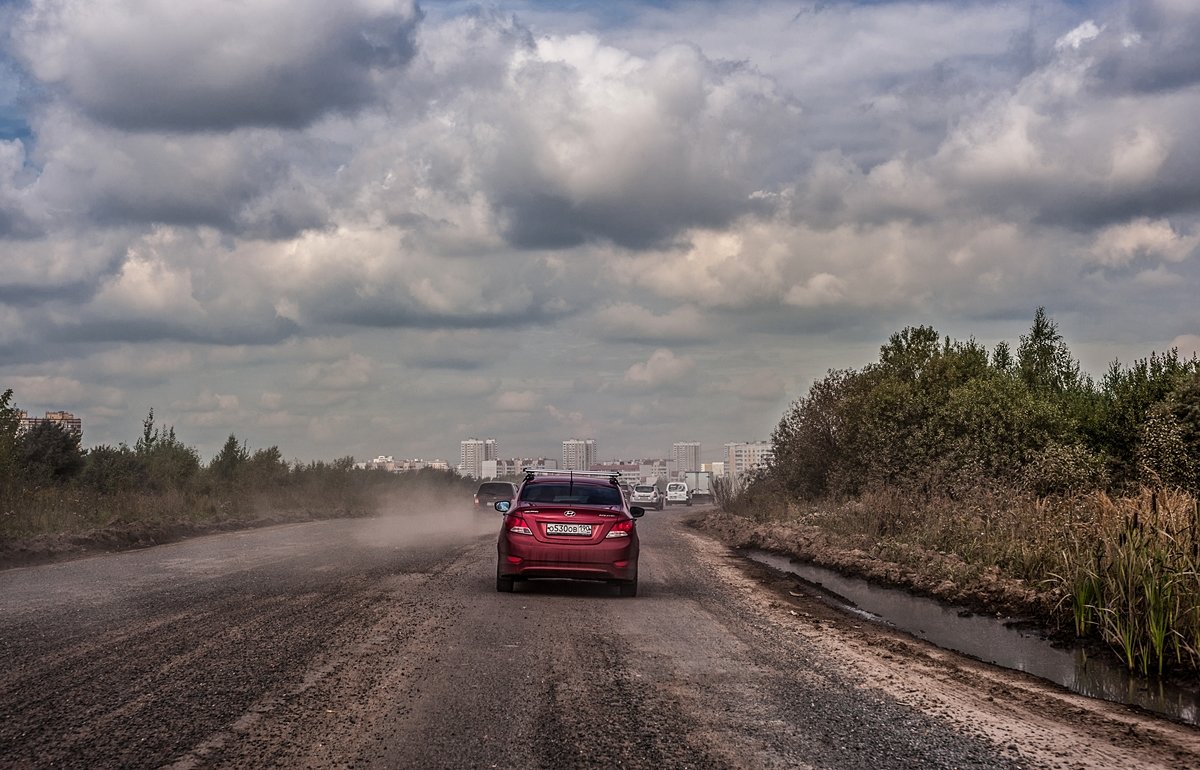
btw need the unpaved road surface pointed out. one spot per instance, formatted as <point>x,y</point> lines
<point>382,643</point>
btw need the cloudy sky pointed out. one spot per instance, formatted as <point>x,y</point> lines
<point>380,227</point>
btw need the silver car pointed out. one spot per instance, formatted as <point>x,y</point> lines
<point>646,496</point>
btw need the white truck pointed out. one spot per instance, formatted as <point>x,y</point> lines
<point>699,485</point>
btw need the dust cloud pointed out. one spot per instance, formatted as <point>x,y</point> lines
<point>427,517</point>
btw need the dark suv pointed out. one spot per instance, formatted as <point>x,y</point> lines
<point>565,524</point>
<point>492,492</point>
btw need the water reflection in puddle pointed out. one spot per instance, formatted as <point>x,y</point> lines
<point>992,640</point>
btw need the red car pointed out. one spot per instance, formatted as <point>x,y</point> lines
<point>568,524</point>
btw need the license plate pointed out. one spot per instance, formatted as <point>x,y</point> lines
<point>555,528</point>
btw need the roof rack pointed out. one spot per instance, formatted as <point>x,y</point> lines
<point>613,476</point>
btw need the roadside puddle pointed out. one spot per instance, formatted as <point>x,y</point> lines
<point>999,641</point>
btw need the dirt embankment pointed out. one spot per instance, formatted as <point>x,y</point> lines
<point>44,549</point>
<point>939,575</point>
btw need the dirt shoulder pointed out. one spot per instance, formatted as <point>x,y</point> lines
<point>45,549</point>
<point>1033,719</point>
<point>938,575</point>
<point>944,577</point>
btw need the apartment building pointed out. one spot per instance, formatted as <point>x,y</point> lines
<point>744,456</point>
<point>630,472</point>
<point>513,466</point>
<point>578,454</point>
<point>686,455</point>
<point>64,420</point>
<point>472,453</point>
<point>380,463</point>
<point>392,465</point>
<point>418,464</point>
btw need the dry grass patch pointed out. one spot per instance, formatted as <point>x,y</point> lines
<point>1124,570</point>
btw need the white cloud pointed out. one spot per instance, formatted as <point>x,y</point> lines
<point>614,146</point>
<point>1158,277</point>
<point>820,289</point>
<point>143,361</point>
<point>570,421</point>
<point>210,402</point>
<point>1187,344</point>
<point>1138,157</point>
<point>354,372</point>
<point>662,368</point>
<point>48,391</point>
<point>1077,37</point>
<point>1120,245</point>
<point>517,401</point>
<point>147,286</point>
<point>627,321</point>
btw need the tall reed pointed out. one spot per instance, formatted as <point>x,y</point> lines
<point>1139,591</point>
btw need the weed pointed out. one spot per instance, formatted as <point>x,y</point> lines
<point>1121,569</point>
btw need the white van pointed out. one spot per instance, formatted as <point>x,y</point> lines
<point>677,492</point>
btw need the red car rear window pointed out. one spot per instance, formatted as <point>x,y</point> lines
<point>578,494</point>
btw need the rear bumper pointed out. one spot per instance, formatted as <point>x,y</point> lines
<point>524,557</point>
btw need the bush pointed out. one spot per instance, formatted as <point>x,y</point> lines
<point>1162,451</point>
<point>1065,469</point>
<point>49,454</point>
<point>111,470</point>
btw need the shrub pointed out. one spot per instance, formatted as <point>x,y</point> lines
<point>1065,469</point>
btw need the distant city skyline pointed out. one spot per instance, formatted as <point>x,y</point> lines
<point>642,222</point>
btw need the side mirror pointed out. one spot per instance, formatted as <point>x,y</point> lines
<point>636,511</point>
<point>503,506</point>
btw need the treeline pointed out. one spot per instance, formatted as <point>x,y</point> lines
<point>50,483</point>
<point>937,417</point>
<point>1087,491</point>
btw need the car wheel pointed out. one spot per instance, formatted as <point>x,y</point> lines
<point>629,588</point>
<point>504,584</point>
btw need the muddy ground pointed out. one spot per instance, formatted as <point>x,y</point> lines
<point>941,576</point>
<point>944,577</point>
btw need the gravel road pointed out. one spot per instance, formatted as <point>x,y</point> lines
<point>382,643</point>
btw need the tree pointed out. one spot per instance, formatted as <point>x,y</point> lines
<point>229,462</point>
<point>50,453</point>
<point>111,470</point>
<point>908,352</point>
<point>806,442</point>
<point>1169,440</point>
<point>1125,402</point>
<point>1044,362</point>
<point>1185,407</point>
<point>1002,358</point>
<point>267,467</point>
<point>9,462</point>
<point>169,463</point>
<point>149,435</point>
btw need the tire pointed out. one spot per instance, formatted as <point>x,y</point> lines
<point>504,584</point>
<point>628,588</point>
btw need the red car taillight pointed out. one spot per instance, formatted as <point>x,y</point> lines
<point>517,524</point>
<point>621,529</point>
